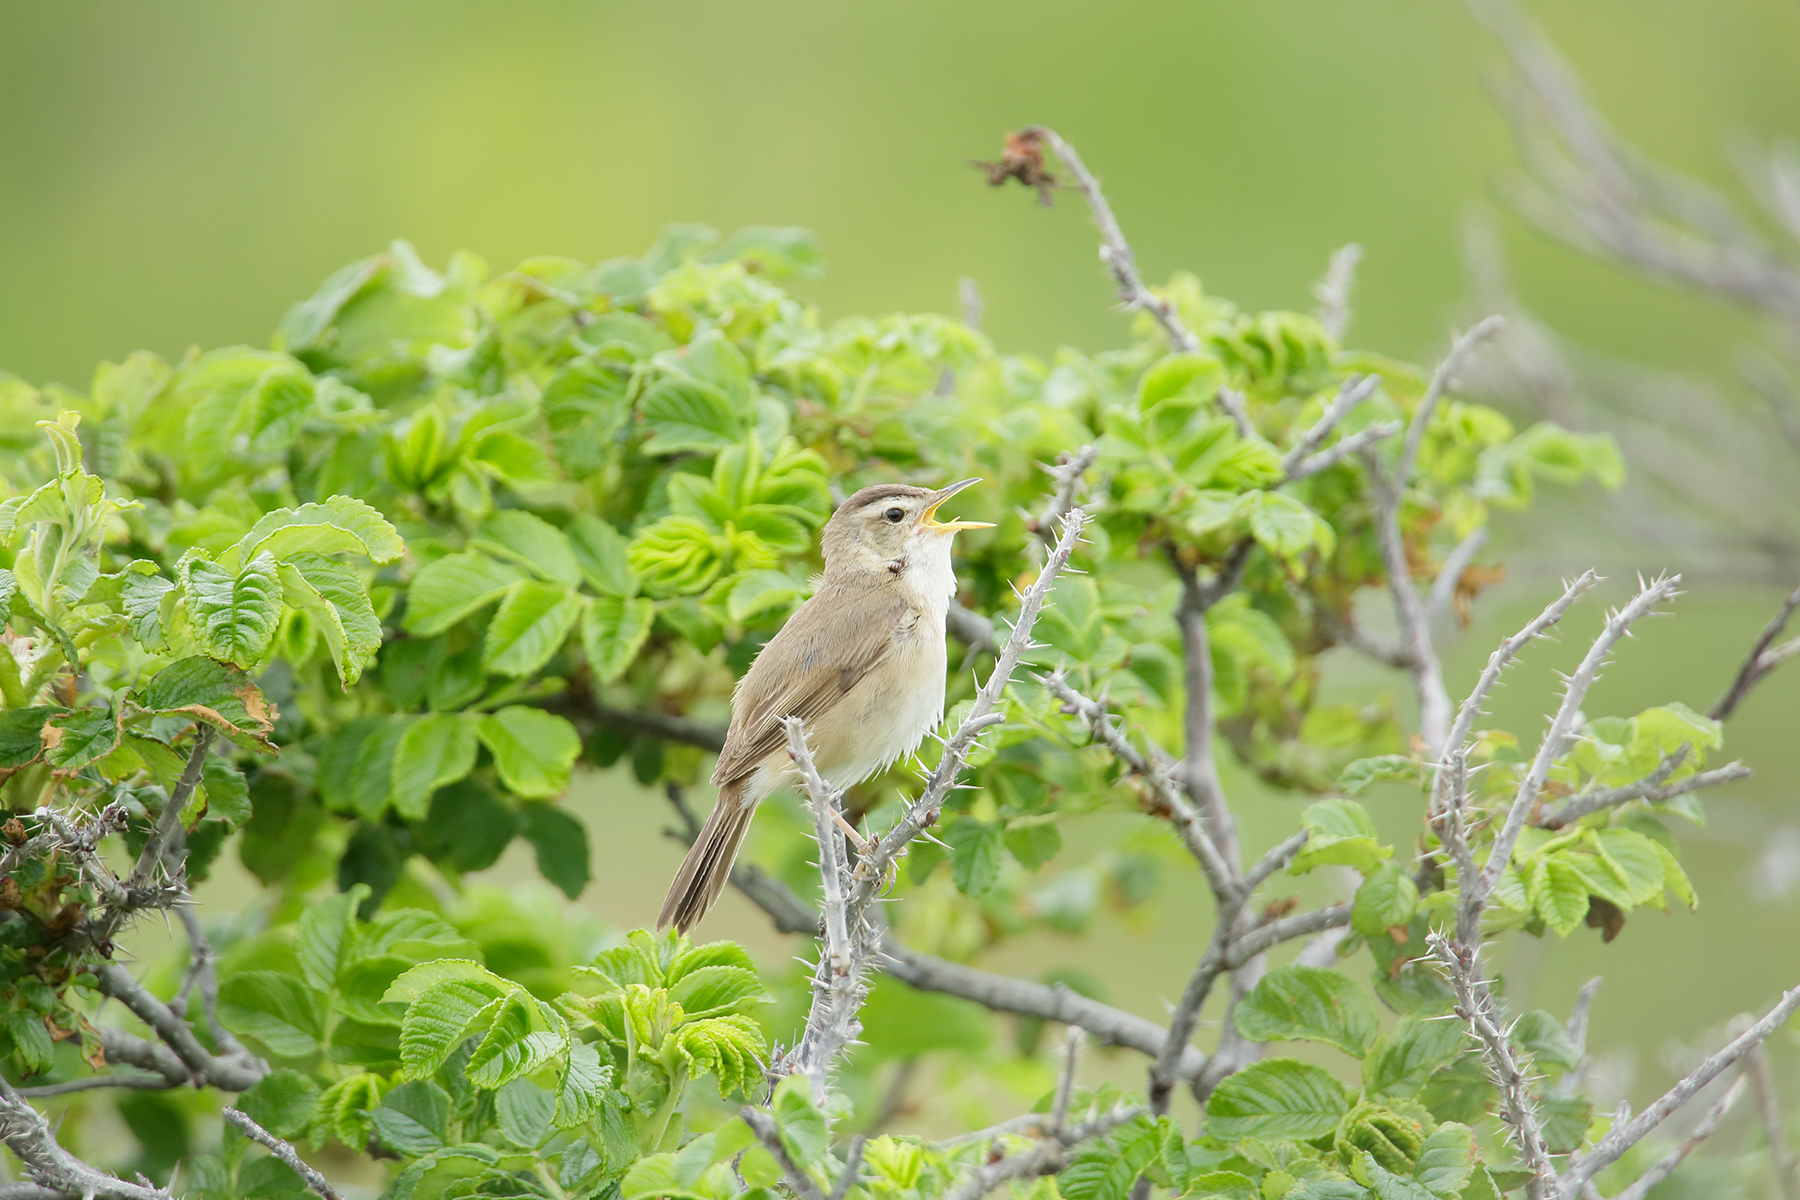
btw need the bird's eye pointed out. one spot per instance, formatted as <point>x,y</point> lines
<point>896,515</point>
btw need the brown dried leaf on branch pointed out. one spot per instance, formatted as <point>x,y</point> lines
<point>1023,160</point>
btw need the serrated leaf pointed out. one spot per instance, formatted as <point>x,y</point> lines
<point>204,689</point>
<point>1277,1098</point>
<point>714,991</point>
<point>533,621</point>
<point>227,792</point>
<point>612,633</point>
<point>1404,1057</point>
<point>976,850</point>
<point>523,1111</point>
<point>72,740</point>
<point>1546,1039</point>
<point>1446,1161</point>
<point>1386,897</point>
<point>1565,1121</point>
<point>513,1045</point>
<point>533,543</point>
<point>600,550</point>
<point>338,525</point>
<point>1340,833</point>
<point>436,1023</point>
<point>331,593</point>
<point>433,751</point>
<point>1310,1004</point>
<point>1384,1183</point>
<point>276,1009</point>
<point>533,750</point>
<point>729,1047</point>
<point>1359,775</point>
<point>804,1130</point>
<point>446,591</point>
<point>583,1086</point>
<point>1558,893</point>
<point>1282,525</point>
<point>234,614</point>
<point>685,414</point>
<point>21,734</point>
<point>323,928</point>
<point>414,1118</point>
<point>141,595</point>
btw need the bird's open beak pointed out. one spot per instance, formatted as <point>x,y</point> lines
<point>928,518</point>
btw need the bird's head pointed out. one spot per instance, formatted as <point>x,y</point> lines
<point>889,523</point>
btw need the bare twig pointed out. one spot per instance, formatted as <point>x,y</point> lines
<point>1263,938</point>
<point>1626,1134</point>
<point>763,1125</point>
<point>1352,392</point>
<point>24,1131</point>
<point>169,820</point>
<point>656,725</point>
<point>1200,771</point>
<point>1115,251</point>
<point>1003,993</point>
<point>1475,1004</point>
<point>1047,1156</point>
<point>1356,443</point>
<point>971,629</point>
<point>1165,795</point>
<point>1065,1084</point>
<point>1434,391</point>
<point>230,1072</point>
<point>1665,1166</point>
<point>141,1083</point>
<point>280,1149</point>
<point>1333,291</point>
<point>1649,789</point>
<point>1578,1033</point>
<point>853,1159</point>
<point>1760,661</point>
<point>1067,472</point>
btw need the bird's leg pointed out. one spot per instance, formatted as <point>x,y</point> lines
<point>856,839</point>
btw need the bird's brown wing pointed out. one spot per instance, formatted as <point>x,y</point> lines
<point>836,638</point>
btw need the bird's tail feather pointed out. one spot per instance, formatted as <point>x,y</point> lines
<point>707,867</point>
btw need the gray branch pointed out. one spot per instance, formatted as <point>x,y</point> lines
<point>1768,1105</point>
<point>1115,251</point>
<point>53,1169</point>
<point>1048,1155</point>
<point>280,1149</point>
<point>1651,789</point>
<point>229,1072</point>
<point>1626,1134</point>
<point>763,1126</point>
<point>1443,588</point>
<point>1167,798</point>
<point>971,629</point>
<point>1067,472</point>
<point>1665,1166</point>
<point>1353,392</point>
<point>1764,657</point>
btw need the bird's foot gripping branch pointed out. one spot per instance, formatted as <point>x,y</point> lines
<point>359,607</point>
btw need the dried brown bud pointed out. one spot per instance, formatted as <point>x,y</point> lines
<point>13,831</point>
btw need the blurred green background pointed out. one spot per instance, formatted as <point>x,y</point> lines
<point>179,174</point>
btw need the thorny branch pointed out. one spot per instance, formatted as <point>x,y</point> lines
<point>763,1125</point>
<point>1048,1155</point>
<point>280,1149</point>
<point>1665,1166</point>
<point>27,1134</point>
<point>1333,291</point>
<point>1651,788</point>
<point>1625,1134</point>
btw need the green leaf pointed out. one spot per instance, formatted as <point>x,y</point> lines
<point>276,1009</point>
<point>685,414</point>
<point>331,593</point>
<point>339,525</point>
<point>141,593</point>
<point>729,1047</point>
<point>1356,778</point>
<point>1565,1121</point>
<point>414,1118</point>
<point>434,751</point>
<point>1277,1098</point>
<point>204,689</point>
<point>30,1041</point>
<point>1282,525</point>
<point>234,614</point>
<point>446,591</point>
<point>1311,1004</point>
<point>600,549</point>
<point>1386,897</point>
<point>514,1046</point>
<point>319,944</point>
<point>561,843</point>
<point>436,1023</point>
<point>714,991</point>
<point>1034,843</point>
<point>533,543</point>
<point>1384,1183</point>
<point>533,750</point>
<point>282,1102</point>
<point>1404,1057</point>
<point>1340,833</point>
<point>21,734</point>
<point>1558,893</point>
<point>227,792</point>
<point>976,848</point>
<point>804,1130</point>
<point>523,1111</point>
<point>612,633</point>
<point>759,592</point>
<point>72,740</point>
<point>372,773</point>
<point>583,1087</point>
<point>1546,1039</point>
<point>1446,1161</point>
<point>534,620</point>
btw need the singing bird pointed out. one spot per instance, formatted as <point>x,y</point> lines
<point>861,663</point>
